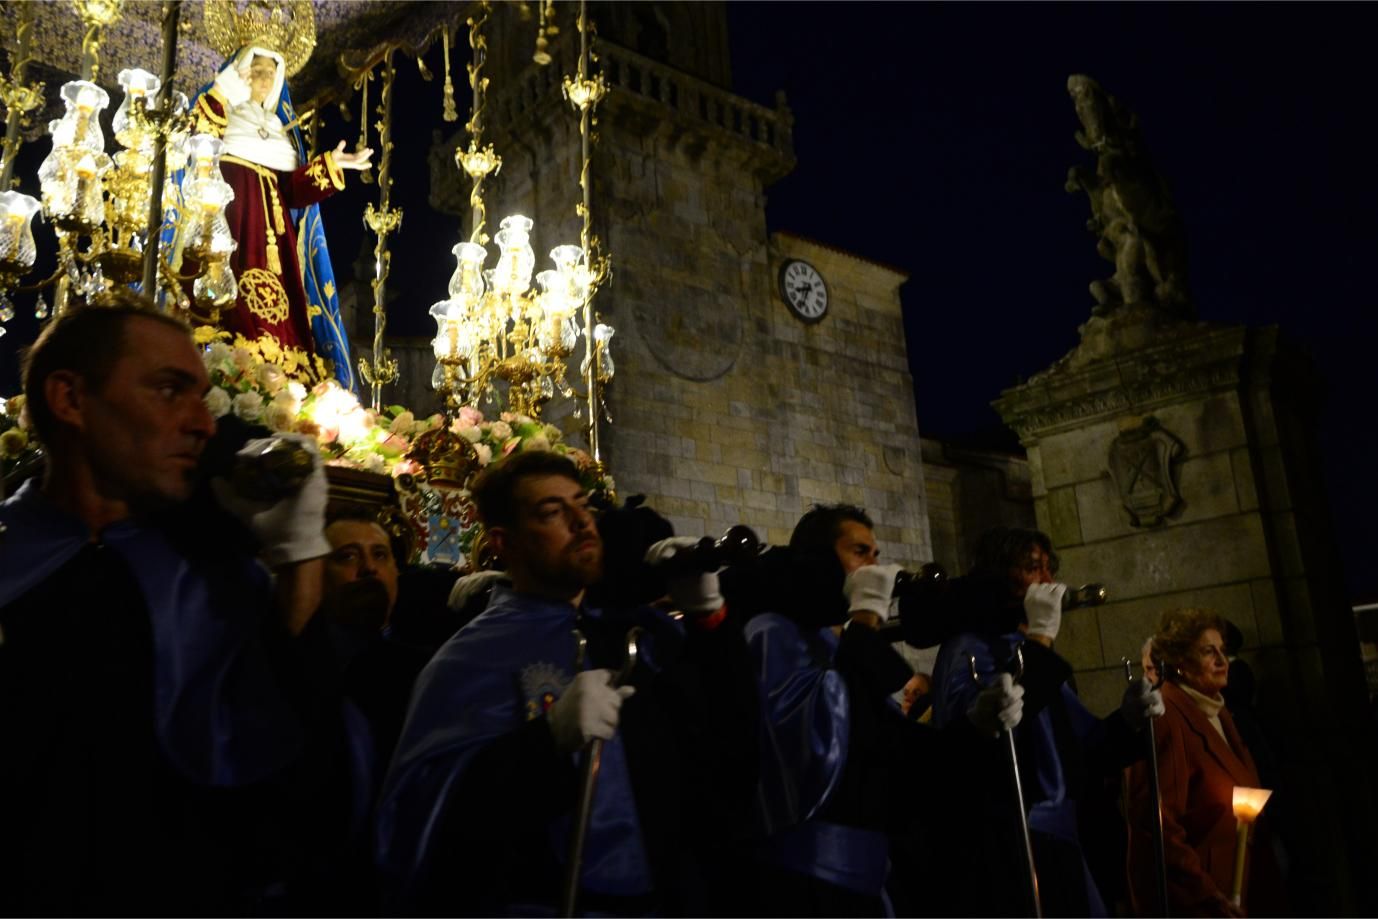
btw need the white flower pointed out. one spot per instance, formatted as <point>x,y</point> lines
<point>279,417</point>
<point>218,401</point>
<point>285,397</point>
<point>243,358</point>
<point>403,423</point>
<point>485,454</point>
<point>552,433</point>
<point>470,433</point>
<point>539,442</point>
<point>271,378</point>
<point>219,354</point>
<point>501,430</point>
<point>248,406</point>
<point>373,462</point>
<point>297,390</point>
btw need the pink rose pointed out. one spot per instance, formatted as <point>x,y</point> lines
<point>407,467</point>
<point>392,446</point>
<point>470,416</point>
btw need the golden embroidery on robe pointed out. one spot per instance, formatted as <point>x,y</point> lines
<point>264,295</point>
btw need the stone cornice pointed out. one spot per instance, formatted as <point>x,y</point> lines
<point>647,96</point>
<point>1181,359</point>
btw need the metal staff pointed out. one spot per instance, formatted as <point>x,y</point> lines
<point>1018,787</point>
<point>588,780</point>
<point>1159,855</point>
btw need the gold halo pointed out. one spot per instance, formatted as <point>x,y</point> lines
<point>285,26</point>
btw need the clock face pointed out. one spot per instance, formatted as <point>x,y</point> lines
<point>803,290</point>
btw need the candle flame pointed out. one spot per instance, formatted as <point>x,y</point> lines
<point>1249,802</point>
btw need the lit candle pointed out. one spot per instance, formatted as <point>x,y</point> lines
<point>1248,804</point>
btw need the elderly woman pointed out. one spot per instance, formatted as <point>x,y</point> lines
<point>1200,759</point>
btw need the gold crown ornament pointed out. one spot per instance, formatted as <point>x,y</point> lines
<point>285,26</point>
<point>449,460</point>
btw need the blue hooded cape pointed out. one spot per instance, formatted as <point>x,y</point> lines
<point>219,714</point>
<point>496,673</point>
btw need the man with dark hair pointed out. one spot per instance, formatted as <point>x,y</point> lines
<point>1063,749</point>
<point>362,561</point>
<point>1001,551</point>
<point>476,811</point>
<point>146,657</point>
<point>841,764</point>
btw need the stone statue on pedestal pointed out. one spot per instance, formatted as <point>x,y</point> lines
<point>1132,213</point>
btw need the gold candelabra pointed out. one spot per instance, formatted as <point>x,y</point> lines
<point>107,210</point>
<point>383,222</point>
<point>494,327</point>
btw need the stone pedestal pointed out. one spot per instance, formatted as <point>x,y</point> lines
<point>1174,461</point>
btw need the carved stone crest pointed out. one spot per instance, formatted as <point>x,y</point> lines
<point>1141,466</point>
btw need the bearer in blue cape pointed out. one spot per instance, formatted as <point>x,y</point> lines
<point>844,776</point>
<point>150,666</point>
<point>477,808</point>
<point>287,296</point>
<point>1063,749</point>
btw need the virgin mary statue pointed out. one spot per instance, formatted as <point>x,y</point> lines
<point>287,305</point>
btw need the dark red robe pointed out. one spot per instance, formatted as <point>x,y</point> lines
<point>272,298</point>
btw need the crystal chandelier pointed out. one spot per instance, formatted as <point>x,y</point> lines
<point>493,325</point>
<point>99,204</point>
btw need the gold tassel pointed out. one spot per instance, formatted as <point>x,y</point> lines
<point>270,185</point>
<point>274,261</point>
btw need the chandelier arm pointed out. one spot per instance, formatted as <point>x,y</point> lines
<point>586,241</point>
<point>172,12</point>
<point>18,96</point>
<point>46,282</point>
<point>383,221</point>
<point>479,162</point>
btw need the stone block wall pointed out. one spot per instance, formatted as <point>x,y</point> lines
<point>725,408</point>
<point>970,491</point>
<point>1248,539</point>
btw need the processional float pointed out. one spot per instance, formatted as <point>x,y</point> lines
<point>147,219</point>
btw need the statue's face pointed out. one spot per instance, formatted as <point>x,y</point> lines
<point>263,73</point>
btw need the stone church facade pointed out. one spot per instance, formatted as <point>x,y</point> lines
<point>727,408</point>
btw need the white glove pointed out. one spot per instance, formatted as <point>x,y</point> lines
<point>232,86</point>
<point>1140,703</point>
<point>998,707</point>
<point>292,529</point>
<point>695,592</point>
<point>589,708</point>
<point>1043,608</point>
<point>869,588</point>
<point>471,585</point>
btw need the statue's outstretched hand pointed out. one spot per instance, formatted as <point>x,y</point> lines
<point>358,160</point>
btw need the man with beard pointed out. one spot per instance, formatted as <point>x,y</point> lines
<point>149,664</point>
<point>477,808</point>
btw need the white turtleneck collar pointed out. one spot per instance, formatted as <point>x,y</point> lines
<point>1210,707</point>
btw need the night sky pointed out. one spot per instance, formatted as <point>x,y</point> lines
<point>937,138</point>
